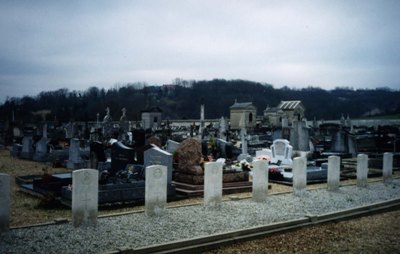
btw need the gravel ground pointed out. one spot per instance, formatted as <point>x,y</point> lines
<point>137,230</point>
<point>378,233</point>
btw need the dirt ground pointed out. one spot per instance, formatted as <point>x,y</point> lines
<point>373,234</point>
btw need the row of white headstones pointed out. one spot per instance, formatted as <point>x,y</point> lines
<point>85,186</point>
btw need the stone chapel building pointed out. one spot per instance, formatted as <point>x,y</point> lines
<point>243,115</point>
<point>284,114</point>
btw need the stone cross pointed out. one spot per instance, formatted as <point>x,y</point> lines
<point>4,202</point>
<point>212,183</point>
<point>333,173</point>
<point>299,175</point>
<point>260,180</point>
<point>243,135</point>
<point>85,189</point>
<point>222,128</point>
<point>362,170</point>
<point>155,190</point>
<point>387,167</point>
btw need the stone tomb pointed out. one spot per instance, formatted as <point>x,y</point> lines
<point>281,151</point>
<point>260,180</point>
<point>157,156</point>
<point>212,183</point>
<point>85,188</point>
<point>155,190</point>
<point>4,202</point>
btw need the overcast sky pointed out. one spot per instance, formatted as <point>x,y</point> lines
<point>47,45</point>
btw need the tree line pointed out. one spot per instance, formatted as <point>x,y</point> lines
<point>182,100</point>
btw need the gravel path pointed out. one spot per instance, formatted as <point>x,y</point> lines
<point>137,230</point>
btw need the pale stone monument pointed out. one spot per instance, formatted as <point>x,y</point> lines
<point>299,175</point>
<point>282,151</point>
<point>387,167</point>
<point>155,190</point>
<point>222,128</point>
<point>260,180</point>
<point>212,183</point>
<point>172,146</point>
<point>4,202</point>
<point>107,124</point>
<point>299,136</point>
<point>333,173</point>
<point>74,158</point>
<point>362,170</point>
<point>85,189</point>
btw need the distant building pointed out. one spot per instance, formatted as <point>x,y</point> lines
<point>285,113</point>
<point>151,118</point>
<point>243,115</point>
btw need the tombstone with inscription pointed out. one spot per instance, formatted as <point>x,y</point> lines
<point>121,156</point>
<point>155,190</point>
<point>281,151</point>
<point>333,173</point>
<point>157,156</point>
<point>387,167</point>
<point>212,183</point>
<point>85,188</point>
<point>27,149</point>
<point>299,175</point>
<point>5,202</point>
<point>362,170</point>
<point>260,180</point>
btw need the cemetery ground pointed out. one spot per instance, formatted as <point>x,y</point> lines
<point>371,234</point>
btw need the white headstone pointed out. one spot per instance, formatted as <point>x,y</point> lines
<point>362,170</point>
<point>85,189</point>
<point>387,167</point>
<point>212,183</point>
<point>333,173</point>
<point>299,175</point>
<point>260,180</point>
<point>4,202</point>
<point>282,151</point>
<point>155,190</point>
